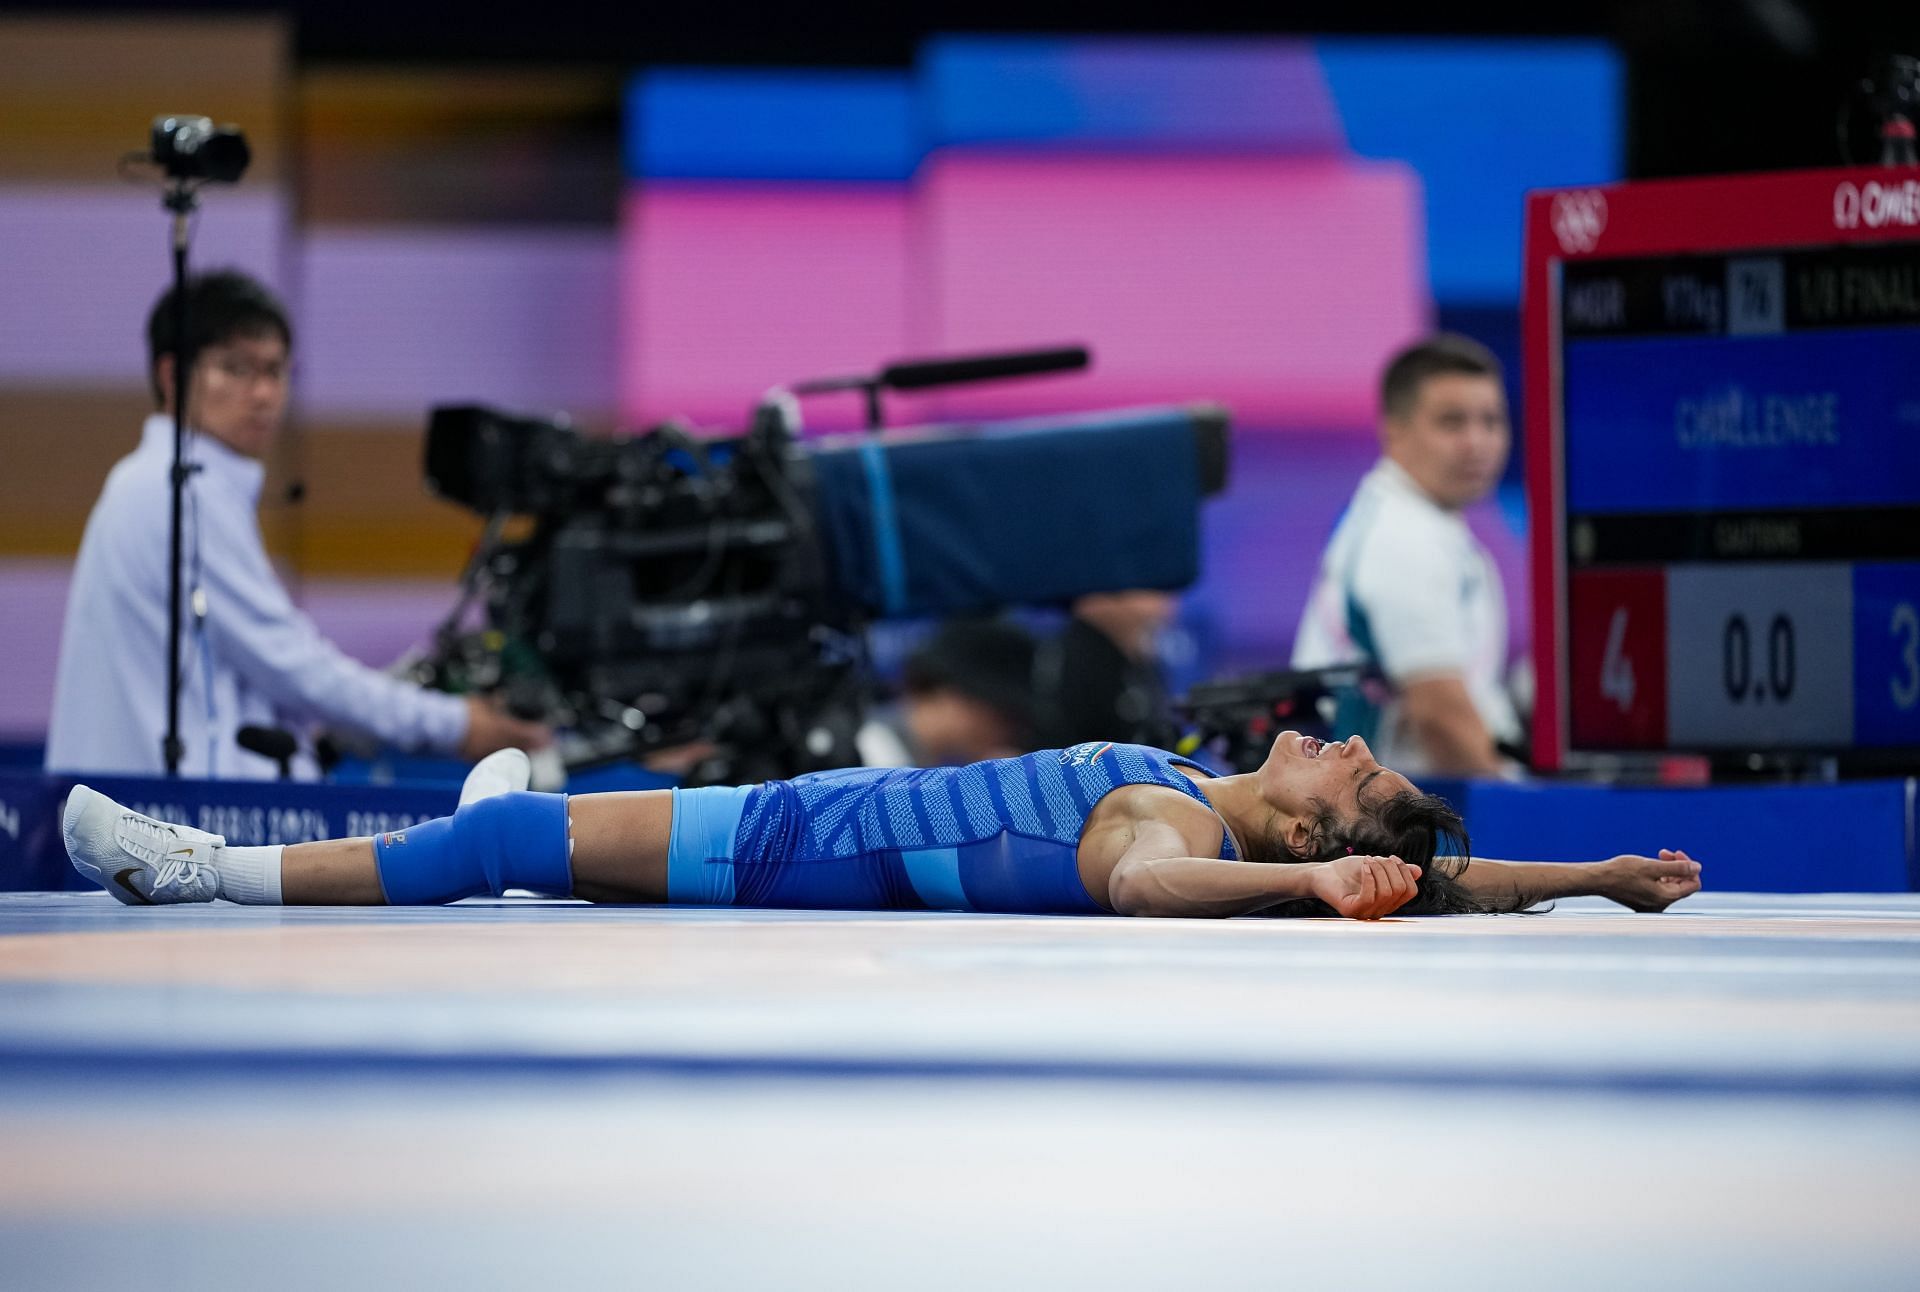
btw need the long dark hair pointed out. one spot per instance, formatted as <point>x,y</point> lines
<point>1419,828</point>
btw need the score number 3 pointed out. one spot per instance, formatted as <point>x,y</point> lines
<point>1905,628</point>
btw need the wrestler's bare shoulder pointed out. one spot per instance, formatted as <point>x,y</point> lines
<point>1117,818</point>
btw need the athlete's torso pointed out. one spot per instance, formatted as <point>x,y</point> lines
<point>994,836</point>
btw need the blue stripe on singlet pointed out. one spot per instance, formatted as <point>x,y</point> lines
<point>935,874</point>
<point>997,796</point>
<point>922,821</point>
<point>1037,793</point>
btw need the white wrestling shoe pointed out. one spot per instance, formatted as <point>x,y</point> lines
<point>141,861</point>
<point>501,772</point>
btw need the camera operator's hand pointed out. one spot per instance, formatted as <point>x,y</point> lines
<point>489,727</point>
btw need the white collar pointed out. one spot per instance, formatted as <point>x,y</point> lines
<point>218,461</point>
<point>1389,474</point>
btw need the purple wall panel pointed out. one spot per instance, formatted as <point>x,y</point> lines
<point>394,320</point>
<point>82,266</point>
<point>387,321</point>
<point>33,602</point>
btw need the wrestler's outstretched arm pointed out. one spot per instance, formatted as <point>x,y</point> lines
<point>1155,876</point>
<point>1640,883</point>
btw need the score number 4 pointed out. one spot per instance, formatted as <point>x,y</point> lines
<point>1616,670</point>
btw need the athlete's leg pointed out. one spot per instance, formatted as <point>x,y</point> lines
<point>619,844</point>
<point>349,871</point>
<point>602,847</point>
<point>346,872</point>
<point>333,872</point>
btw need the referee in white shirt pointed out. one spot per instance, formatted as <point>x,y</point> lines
<point>248,656</point>
<point>1404,585</point>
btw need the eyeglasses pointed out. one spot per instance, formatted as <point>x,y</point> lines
<point>246,372</point>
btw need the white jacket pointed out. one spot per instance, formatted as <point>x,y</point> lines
<point>252,659</point>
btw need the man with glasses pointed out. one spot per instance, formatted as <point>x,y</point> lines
<point>248,656</point>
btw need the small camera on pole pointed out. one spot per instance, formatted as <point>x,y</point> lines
<point>189,148</point>
<point>190,151</point>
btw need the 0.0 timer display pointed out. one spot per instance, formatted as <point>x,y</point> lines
<point>1760,655</point>
<point>1737,660</point>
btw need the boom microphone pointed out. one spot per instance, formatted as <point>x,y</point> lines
<point>919,374</point>
<point>946,370</point>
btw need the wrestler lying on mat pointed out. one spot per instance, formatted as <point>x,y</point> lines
<point>1319,829</point>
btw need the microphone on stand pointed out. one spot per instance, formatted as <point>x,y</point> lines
<point>270,742</point>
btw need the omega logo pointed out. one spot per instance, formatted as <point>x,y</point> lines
<point>1874,204</point>
<point>1578,219</point>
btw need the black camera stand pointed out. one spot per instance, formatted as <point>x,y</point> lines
<point>189,151</point>
<point>181,196</point>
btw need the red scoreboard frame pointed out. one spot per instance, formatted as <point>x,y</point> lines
<point>1654,218</point>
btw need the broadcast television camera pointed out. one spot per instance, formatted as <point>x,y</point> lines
<point>664,590</point>
<point>1236,719</point>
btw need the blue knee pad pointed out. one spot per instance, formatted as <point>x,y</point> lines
<point>507,841</point>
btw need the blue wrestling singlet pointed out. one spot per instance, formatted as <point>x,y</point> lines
<point>995,836</point>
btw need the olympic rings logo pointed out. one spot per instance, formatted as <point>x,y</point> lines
<point>1578,219</point>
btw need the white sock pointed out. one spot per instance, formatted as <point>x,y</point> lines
<point>250,876</point>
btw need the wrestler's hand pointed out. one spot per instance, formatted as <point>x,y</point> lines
<point>490,727</point>
<point>1648,883</point>
<point>1365,888</point>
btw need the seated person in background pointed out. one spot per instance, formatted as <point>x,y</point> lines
<point>1405,586</point>
<point>1100,678</point>
<point>969,693</point>
<point>1318,829</point>
<point>247,655</point>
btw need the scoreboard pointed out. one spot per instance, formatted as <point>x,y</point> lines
<point>1723,434</point>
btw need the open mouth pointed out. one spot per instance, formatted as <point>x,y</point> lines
<point>1311,747</point>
